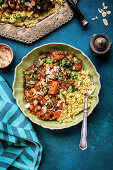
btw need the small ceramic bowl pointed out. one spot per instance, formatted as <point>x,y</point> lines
<point>5,49</point>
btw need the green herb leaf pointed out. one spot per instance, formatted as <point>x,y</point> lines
<point>35,69</point>
<point>63,95</point>
<point>51,104</point>
<point>63,62</point>
<point>59,69</point>
<point>71,88</point>
<point>43,56</point>
<point>24,71</point>
<point>57,63</point>
<point>49,60</point>
<point>31,82</point>
<point>75,60</point>
<point>73,75</point>
<point>56,78</point>
<point>60,77</point>
<point>27,98</point>
<point>41,62</point>
<point>18,16</point>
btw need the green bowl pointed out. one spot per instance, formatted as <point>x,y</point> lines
<point>29,60</point>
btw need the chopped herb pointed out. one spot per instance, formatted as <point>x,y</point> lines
<point>56,78</point>
<point>43,56</point>
<point>71,88</point>
<point>27,98</point>
<point>49,60</point>
<point>75,60</point>
<point>27,85</point>
<point>31,82</point>
<point>63,62</point>
<point>35,69</point>
<point>63,95</point>
<point>73,75</point>
<point>29,73</point>
<point>24,71</point>
<point>60,77</point>
<point>59,68</point>
<point>39,20</point>
<point>57,63</point>
<point>65,79</point>
<point>51,104</point>
<point>31,78</point>
<point>32,71</point>
<point>44,88</point>
<point>67,70</point>
<point>18,16</point>
<point>41,62</point>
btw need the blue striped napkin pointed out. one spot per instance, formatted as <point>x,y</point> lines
<point>19,145</point>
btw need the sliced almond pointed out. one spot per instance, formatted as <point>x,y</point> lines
<point>104,14</point>
<point>105,22</point>
<point>105,7</point>
<point>93,19</point>
<point>99,10</point>
<point>103,4</point>
<point>108,12</point>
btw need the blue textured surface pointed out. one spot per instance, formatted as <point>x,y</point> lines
<point>61,149</point>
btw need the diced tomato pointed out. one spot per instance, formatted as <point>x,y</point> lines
<point>56,115</point>
<point>54,86</point>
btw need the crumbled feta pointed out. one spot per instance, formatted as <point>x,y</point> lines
<point>27,105</point>
<point>35,102</point>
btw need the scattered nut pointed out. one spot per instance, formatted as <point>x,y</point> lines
<point>105,7</point>
<point>93,19</point>
<point>104,14</point>
<point>100,10</point>
<point>105,22</point>
<point>103,4</point>
<point>108,12</point>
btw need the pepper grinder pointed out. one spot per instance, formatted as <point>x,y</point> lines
<point>100,44</point>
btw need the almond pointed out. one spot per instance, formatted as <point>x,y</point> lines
<point>105,22</point>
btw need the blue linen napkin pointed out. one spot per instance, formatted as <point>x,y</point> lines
<point>19,145</point>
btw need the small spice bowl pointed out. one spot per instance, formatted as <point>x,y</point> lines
<point>100,44</point>
<point>6,56</point>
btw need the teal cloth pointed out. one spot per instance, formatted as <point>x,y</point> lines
<point>19,144</point>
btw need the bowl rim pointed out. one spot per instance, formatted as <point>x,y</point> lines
<point>12,54</point>
<point>59,128</point>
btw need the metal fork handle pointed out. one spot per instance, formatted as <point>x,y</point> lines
<point>83,141</point>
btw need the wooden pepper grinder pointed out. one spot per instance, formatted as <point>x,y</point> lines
<point>100,44</point>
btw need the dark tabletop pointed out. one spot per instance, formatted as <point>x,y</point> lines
<point>61,148</point>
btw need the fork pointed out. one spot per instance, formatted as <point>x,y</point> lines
<point>83,141</point>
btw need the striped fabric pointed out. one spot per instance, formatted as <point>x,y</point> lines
<point>19,145</point>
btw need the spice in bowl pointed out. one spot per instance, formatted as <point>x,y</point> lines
<point>6,55</point>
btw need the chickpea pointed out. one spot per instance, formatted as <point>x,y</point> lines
<point>8,11</point>
<point>12,6</point>
<point>31,107</point>
<point>38,107</point>
<point>44,64</point>
<point>51,65</point>
<point>29,9</point>
<point>17,7</point>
